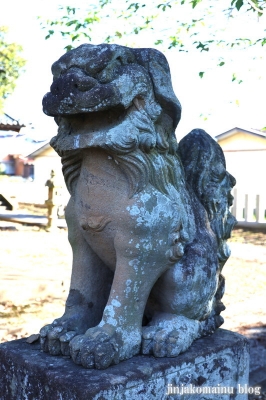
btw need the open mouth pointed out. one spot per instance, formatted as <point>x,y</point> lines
<point>90,122</point>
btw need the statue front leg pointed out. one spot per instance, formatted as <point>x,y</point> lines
<point>84,307</point>
<point>118,336</point>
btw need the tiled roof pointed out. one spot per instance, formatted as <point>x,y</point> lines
<point>9,123</point>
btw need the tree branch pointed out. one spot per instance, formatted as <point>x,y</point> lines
<point>250,2</point>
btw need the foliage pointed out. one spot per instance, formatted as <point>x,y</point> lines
<point>11,65</point>
<point>229,34</point>
<point>181,24</point>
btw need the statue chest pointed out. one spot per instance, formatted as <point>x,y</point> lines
<point>107,214</point>
<point>101,193</point>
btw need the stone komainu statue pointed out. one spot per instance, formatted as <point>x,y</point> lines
<point>148,219</point>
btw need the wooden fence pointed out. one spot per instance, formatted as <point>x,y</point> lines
<point>249,209</point>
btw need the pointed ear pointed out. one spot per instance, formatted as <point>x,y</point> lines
<point>157,66</point>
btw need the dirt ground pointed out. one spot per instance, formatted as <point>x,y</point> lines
<point>35,269</point>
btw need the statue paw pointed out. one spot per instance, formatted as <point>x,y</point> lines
<point>96,349</point>
<point>55,337</point>
<point>169,336</point>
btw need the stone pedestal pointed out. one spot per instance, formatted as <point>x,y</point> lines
<point>216,366</point>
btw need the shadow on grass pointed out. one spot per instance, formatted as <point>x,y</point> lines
<point>10,310</point>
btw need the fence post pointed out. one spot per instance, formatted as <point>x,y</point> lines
<point>248,213</point>
<point>258,216</point>
<point>244,205</point>
<point>260,208</point>
<point>246,208</point>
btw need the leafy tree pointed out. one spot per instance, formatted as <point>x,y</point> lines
<point>11,65</point>
<point>180,24</point>
<point>219,33</point>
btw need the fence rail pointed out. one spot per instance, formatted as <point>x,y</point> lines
<point>249,209</point>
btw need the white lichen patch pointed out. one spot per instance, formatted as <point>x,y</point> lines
<point>116,303</point>
<point>133,210</point>
<point>76,141</point>
<point>109,314</point>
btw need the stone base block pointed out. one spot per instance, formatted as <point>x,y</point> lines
<point>215,367</point>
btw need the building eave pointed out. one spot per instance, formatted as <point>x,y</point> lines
<point>38,151</point>
<point>235,130</point>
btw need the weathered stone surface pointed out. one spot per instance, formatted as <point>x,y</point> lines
<point>220,360</point>
<point>148,218</point>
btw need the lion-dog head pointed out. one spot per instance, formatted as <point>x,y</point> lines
<point>99,87</point>
<point>99,77</point>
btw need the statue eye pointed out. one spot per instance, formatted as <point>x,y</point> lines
<point>103,69</point>
<point>93,68</point>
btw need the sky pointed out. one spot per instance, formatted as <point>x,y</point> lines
<point>213,103</point>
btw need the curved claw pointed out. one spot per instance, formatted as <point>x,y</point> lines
<point>55,337</point>
<point>65,340</point>
<point>147,332</point>
<point>53,340</point>
<point>169,340</point>
<point>75,346</point>
<point>105,355</point>
<point>43,338</point>
<point>95,349</point>
<point>147,340</point>
<point>100,356</point>
<point>159,348</point>
<point>171,346</point>
<point>87,355</point>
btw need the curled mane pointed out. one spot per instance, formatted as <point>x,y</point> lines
<point>205,169</point>
<point>153,159</point>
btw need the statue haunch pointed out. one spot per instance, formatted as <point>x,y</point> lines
<point>148,219</point>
